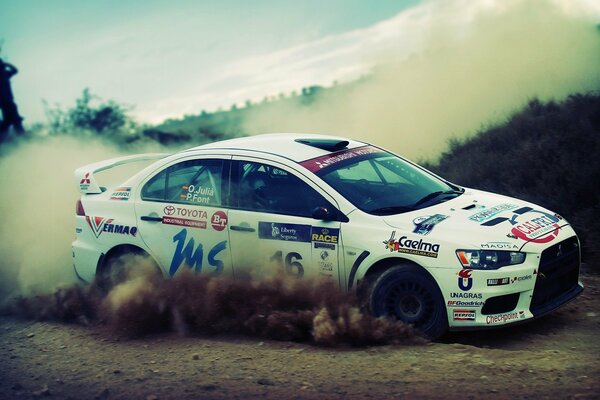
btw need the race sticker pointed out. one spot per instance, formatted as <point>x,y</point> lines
<point>464,315</point>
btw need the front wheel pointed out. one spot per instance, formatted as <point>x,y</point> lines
<point>409,294</point>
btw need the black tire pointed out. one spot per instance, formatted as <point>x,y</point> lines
<point>408,293</point>
<point>119,267</point>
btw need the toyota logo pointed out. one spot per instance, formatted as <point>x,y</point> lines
<point>169,210</point>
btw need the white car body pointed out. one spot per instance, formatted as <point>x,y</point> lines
<point>203,229</point>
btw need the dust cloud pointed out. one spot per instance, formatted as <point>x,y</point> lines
<point>280,308</point>
<point>474,69</point>
<point>37,208</point>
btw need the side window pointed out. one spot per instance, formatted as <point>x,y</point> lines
<point>269,189</point>
<point>195,182</point>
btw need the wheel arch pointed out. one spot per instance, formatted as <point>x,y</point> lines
<point>118,251</point>
<point>378,267</point>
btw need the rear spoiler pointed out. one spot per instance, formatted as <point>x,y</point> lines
<point>84,176</point>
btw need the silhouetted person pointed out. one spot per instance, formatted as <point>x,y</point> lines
<point>10,114</point>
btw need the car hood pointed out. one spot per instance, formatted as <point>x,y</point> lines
<point>482,220</point>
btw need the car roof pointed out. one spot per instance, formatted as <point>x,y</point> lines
<point>281,144</point>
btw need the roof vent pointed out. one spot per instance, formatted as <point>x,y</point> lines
<point>325,144</point>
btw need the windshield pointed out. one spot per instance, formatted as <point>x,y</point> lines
<point>383,184</point>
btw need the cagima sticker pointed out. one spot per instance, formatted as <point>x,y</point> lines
<point>411,246</point>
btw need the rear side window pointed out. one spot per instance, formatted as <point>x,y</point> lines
<point>197,182</point>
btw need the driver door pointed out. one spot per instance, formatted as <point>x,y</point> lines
<point>271,224</point>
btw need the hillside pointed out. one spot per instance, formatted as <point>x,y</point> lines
<point>547,153</point>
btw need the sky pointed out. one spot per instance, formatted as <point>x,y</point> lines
<point>168,58</point>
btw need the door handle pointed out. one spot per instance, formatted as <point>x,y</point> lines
<point>151,219</point>
<point>242,228</point>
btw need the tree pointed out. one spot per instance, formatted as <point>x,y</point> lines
<point>105,118</point>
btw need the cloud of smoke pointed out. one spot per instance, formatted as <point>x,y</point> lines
<point>467,74</point>
<point>280,308</point>
<point>37,207</point>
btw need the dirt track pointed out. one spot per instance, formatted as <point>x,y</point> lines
<point>554,357</point>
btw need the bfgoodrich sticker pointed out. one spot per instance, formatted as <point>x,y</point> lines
<point>412,246</point>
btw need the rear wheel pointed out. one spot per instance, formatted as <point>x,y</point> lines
<point>125,264</point>
<point>408,293</point>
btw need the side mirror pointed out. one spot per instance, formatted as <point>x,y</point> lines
<point>324,214</point>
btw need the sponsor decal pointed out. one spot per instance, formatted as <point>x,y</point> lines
<point>316,164</point>
<point>286,232</point>
<point>218,220</point>
<point>173,214</point>
<point>502,318</point>
<point>192,223</point>
<point>499,246</point>
<point>326,235</point>
<point>424,225</point>
<point>521,278</point>
<point>464,315</point>
<point>185,212</point>
<point>193,255</point>
<point>412,246</point>
<point>78,230</point>
<point>85,183</point>
<point>197,194</point>
<point>101,224</point>
<point>121,193</point>
<point>466,295</point>
<point>325,264</point>
<point>541,229</point>
<point>460,303</point>
<point>465,281</point>
<point>488,213</point>
<point>498,281</point>
<point>321,245</point>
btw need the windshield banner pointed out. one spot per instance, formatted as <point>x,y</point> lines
<point>317,164</point>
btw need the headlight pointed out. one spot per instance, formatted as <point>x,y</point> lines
<point>488,259</point>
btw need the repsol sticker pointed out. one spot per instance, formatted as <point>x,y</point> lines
<point>464,315</point>
<point>286,232</point>
<point>412,246</point>
<point>325,235</point>
<point>121,193</point>
<point>101,224</point>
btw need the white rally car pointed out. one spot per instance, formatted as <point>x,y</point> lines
<point>423,250</point>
